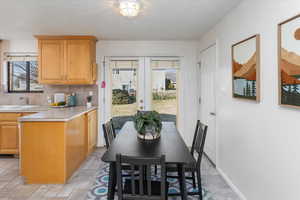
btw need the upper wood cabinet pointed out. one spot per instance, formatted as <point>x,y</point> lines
<point>51,61</point>
<point>69,60</point>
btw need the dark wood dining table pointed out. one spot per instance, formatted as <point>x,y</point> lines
<point>170,144</point>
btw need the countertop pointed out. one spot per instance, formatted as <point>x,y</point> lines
<point>45,113</point>
<point>57,114</point>
<point>23,108</point>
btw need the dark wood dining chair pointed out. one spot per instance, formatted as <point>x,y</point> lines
<point>113,127</point>
<point>194,168</point>
<point>141,187</point>
<point>173,168</point>
<point>109,134</point>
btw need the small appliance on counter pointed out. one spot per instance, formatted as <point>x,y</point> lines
<point>59,100</point>
<point>71,100</point>
<point>59,97</point>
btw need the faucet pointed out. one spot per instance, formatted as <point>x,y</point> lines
<point>24,99</point>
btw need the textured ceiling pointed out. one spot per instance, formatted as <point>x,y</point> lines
<point>159,19</point>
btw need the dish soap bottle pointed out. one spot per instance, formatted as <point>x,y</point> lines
<point>89,99</point>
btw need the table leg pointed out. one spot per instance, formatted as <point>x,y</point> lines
<point>112,181</point>
<point>182,182</point>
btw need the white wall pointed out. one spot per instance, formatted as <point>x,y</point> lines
<point>187,52</point>
<point>258,143</point>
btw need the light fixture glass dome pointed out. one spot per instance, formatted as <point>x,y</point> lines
<point>129,8</point>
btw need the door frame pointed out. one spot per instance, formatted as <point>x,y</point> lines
<point>216,45</point>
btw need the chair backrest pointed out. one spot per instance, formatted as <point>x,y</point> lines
<point>113,127</point>
<point>141,184</point>
<point>108,133</point>
<point>195,137</point>
<point>200,142</point>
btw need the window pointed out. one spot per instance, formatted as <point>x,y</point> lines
<point>22,76</point>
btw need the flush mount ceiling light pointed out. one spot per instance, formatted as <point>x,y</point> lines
<point>129,8</point>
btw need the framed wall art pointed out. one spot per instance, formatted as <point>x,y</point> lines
<point>289,62</point>
<point>246,69</point>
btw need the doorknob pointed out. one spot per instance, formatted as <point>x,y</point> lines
<point>212,113</point>
<point>141,101</point>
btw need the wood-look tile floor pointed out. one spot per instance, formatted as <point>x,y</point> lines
<point>13,188</point>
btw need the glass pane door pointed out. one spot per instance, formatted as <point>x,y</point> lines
<point>124,88</point>
<point>164,88</point>
<point>143,83</point>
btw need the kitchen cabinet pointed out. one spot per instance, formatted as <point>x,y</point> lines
<point>92,131</point>
<point>9,139</point>
<point>67,60</point>
<point>52,61</point>
<point>54,162</point>
<point>9,132</point>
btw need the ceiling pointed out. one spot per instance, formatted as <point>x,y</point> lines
<point>159,19</point>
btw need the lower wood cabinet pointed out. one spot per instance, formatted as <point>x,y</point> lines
<point>52,151</point>
<point>9,138</point>
<point>92,131</point>
<point>9,132</point>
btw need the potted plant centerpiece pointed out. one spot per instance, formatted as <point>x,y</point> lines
<point>148,125</point>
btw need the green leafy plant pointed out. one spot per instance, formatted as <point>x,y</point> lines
<point>144,120</point>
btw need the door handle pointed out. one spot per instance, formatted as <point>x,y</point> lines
<point>212,113</point>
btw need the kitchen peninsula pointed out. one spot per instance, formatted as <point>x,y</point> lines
<point>55,142</point>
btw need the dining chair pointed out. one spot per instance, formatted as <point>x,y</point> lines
<point>194,168</point>
<point>109,136</point>
<point>173,168</point>
<point>108,132</point>
<point>141,187</point>
<point>112,127</point>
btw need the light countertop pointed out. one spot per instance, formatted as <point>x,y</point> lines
<point>23,108</point>
<point>57,114</point>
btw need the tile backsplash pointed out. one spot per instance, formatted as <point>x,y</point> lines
<point>81,91</point>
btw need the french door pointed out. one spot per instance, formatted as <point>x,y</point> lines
<point>143,83</point>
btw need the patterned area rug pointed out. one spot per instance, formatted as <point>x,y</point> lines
<point>99,189</point>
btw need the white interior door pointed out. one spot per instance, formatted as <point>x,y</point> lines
<point>207,108</point>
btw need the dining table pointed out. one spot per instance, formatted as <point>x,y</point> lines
<point>170,144</point>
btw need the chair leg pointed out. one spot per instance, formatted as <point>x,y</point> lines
<point>199,184</point>
<point>194,179</point>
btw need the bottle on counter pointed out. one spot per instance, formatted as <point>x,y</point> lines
<point>89,99</point>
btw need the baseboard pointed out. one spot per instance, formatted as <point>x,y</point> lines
<point>209,160</point>
<point>230,183</point>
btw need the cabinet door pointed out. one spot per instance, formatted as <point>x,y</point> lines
<point>51,61</point>
<point>92,130</point>
<point>79,63</point>
<point>9,138</point>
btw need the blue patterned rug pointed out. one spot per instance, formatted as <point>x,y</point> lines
<point>99,189</point>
